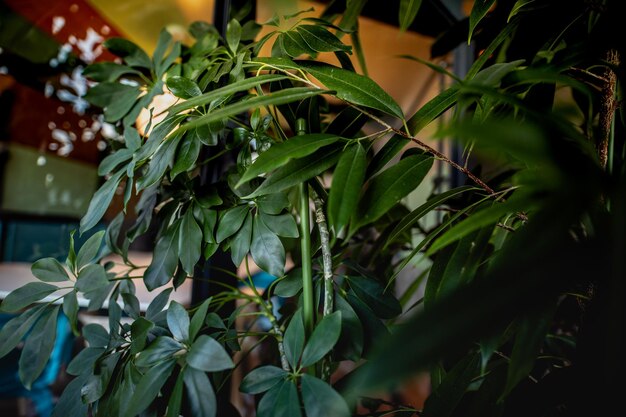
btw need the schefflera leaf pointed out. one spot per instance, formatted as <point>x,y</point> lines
<point>346,187</point>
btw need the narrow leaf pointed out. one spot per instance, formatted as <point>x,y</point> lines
<point>280,401</point>
<point>200,393</point>
<point>407,13</point>
<point>322,340</point>
<point>38,347</point>
<point>14,330</point>
<point>164,261</point>
<point>26,295</point>
<point>89,249</point>
<point>100,202</point>
<point>479,10</point>
<point>198,319</point>
<point>346,186</point>
<point>294,339</point>
<point>149,386</point>
<point>189,242</point>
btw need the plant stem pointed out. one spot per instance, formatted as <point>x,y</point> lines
<point>307,269</point>
<point>607,108</point>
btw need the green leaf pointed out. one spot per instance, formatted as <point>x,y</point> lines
<point>298,171</point>
<point>281,153</point>
<point>183,87</point>
<point>322,340</point>
<point>320,39</point>
<point>233,35</point>
<point>96,335</point>
<point>294,339</point>
<point>149,386</point>
<point>285,96</point>
<point>231,222</point>
<point>91,278</point>
<point>350,344</point>
<point>189,242</point>
<point>445,398</point>
<point>479,10</point>
<point>84,362</point>
<point>321,400</point>
<point>266,249</point>
<point>433,109</point>
<point>164,261</point>
<point>282,225</point>
<point>348,123</point>
<point>290,285</point>
<point>198,319</point>
<point>391,148</point>
<point>162,348</point>
<point>407,13</point>
<point>176,398</point>
<point>131,53</point>
<point>373,294</point>
<point>206,354</point>
<point>89,250</point>
<point>107,71</point>
<point>70,309</point>
<point>352,87</point>
<point>262,379</point>
<point>159,163</point>
<point>293,44</point>
<point>410,219</point>
<point>272,203</point>
<point>116,99</point>
<point>139,330</point>
<point>390,186</point>
<point>26,295</point>
<point>13,331</point>
<point>100,202</point>
<point>346,187</point>
<point>178,321</point>
<point>187,155</point>
<point>200,393</point>
<point>112,161</point>
<point>240,243</point>
<point>157,304</point>
<point>38,347</point>
<point>49,270</point>
<point>70,402</point>
<point>280,401</point>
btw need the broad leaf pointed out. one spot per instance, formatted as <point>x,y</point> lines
<point>294,339</point>
<point>116,99</point>
<point>162,348</point>
<point>266,249</point>
<point>38,347</point>
<point>240,243</point>
<point>187,155</point>
<point>149,386</point>
<point>352,87</point>
<point>131,53</point>
<point>91,278</point>
<point>321,400</point>
<point>14,330</point>
<point>319,39</point>
<point>164,261</point>
<point>350,344</point>
<point>83,363</point>
<point>200,393</point>
<point>26,295</point>
<point>159,163</point>
<point>70,402</point>
<point>233,35</point>
<point>183,87</point>
<point>231,222</point>
<point>107,71</point>
<point>100,202</point>
<point>390,186</point>
<point>178,321</point>
<point>280,153</point>
<point>280,401</point>
<point>198,319</point>
<point>157,304</point>
<point>89,250</point>
<point>112,161</point>
<point>49,270</point>
<point>322,340</point>
<point>346,187</point>
<point>189,242</point>
<point>282,225</point>
<point>290,285</point>
<point>95,335</point>
<point>206,354</point>
<point>272,203</point>
<point>262,379</point>
<point>373,294</point>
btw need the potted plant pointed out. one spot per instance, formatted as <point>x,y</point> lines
<point>496,323</point>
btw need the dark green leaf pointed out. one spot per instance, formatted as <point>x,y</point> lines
<point>100,202</point>
<point>70,309</point>
<point>261,379</point>
<point>346,187</point>
<point>298,171</point>
<point>320,39</point>
<point>164,261</point>
<point>91,278</point>
<point>281,153</point>
<point>187,155</point>
<point>116,99</point>
<point>70,402</point>
<point>139,330</point>
<point>113,160</point>
<point>206,354</point>
<point>176,398</point>
<point>178,321</point>
<point>231,222</point>
<point>391,148</point>
<point>161,131</point>
<point>293,44</point>
<point>321,400</point>
<point>38,347</point>
<point>183,87</point>
<point>95,335</point>
<point>272,203</point>
<point>162,348</point>
<point>89,250</point>
<point>233,35</point>
<point>107,71</point>
<point>347,123</point>
<point>408,11</point>
<point>433,109</point>
<point>479,10</point>
<point>350,344</point>
<point>240,243</point>
<point>282,225</point>
<point>410,219</point>
<point>444,399</point>
<point>280,401</point>
<point>198,319</point>
<point>322,340</point>
<point>290,285</point>
<point>352,87</point>
<point>159,163</point>
<point>189,242</point>
<point>373,294</point>
<point>83,363</point>
<point>200,393</point>
<point>158,303</point>
<point>294,339</point>
<point>49,270</point>
<point>132,54</point>
<point>149,386</point>
<point>390,186</point>
<point>26,295</point>
<point>13,330</point>
<point>266,249</point>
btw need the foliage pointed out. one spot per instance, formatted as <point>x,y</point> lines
<point>524,267</point>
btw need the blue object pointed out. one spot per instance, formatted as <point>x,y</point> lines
<point>40,393</point>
